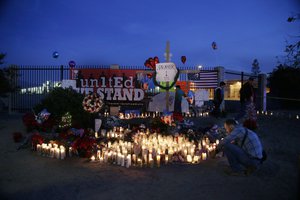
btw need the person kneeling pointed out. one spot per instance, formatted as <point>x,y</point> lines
<point>242,147</point>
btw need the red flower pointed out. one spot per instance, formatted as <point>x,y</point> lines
<point>37,139</point>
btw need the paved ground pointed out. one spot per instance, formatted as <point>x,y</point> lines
<point>25,175</point>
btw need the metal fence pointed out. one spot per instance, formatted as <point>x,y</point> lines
<point>35,82</point>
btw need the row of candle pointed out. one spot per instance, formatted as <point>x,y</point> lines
<point>270,113</point>
<point>143,115</point>
<point>147,160</point>
<point>157,114</point>
<point>52,150</point>
<point>150,150</point>
<point>117,132</point>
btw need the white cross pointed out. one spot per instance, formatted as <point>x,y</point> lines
<point>168,54</point>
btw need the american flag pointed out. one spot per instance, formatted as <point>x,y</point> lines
<point>203,79</point>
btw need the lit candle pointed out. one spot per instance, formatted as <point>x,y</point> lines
<point>204,156</point>
<point>196,159</point>
<point>192,151</point>
<point>139,162</point>
<point>119,159</point>
<point>93,158</point>
<point>98,154</point>
<point>52,151</point>
<point>39,148</point>
<point>217,142</point>
<point>145,159</point>
<point>158,160</point>
<point>185,152</point>
<point>189,158</point>
<point>70,151</point>
<point>128,163</point>
<point>297,117</point>
<point>57,153</point>
<point>96,134</point>
<point>122,160</point>
<point>105,157</point>
<point>166,159</point>
<point>62,153</point>
<point>133,159</point>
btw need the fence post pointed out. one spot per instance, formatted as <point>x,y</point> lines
<point>9,104</point>
<point>61,72</point>
<point>262,95</point>
<point>221,73</point>
<point>242,78</point>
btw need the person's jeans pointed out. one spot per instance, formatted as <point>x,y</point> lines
<point>242,112</point>
<point>238,159</point>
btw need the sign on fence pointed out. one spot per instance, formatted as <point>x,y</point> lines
<point>166,72</point>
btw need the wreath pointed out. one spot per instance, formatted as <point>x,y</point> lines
<point>165,87</point>
<point>92,103</point>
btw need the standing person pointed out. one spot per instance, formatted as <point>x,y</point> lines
<point>242,147</point>
<point>177,104</point>
<point>246,96</point>
<point>219,104</point>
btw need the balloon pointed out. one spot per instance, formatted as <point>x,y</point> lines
<point>151,62</point>
<point>72,63</point>
<point>55,54</point>
<point>42,116</point>
<point>214,45</point>
<point>183,59</point>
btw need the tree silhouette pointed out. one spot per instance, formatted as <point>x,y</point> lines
<point>255,67</point>
<point>284,81</point>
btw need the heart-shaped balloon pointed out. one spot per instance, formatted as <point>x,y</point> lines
<point>183,59</point>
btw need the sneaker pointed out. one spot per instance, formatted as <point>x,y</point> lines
<point>250,170</point>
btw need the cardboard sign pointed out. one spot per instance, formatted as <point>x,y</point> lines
<point>165,72</point>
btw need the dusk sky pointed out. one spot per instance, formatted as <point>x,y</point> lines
<point>128,32</point>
